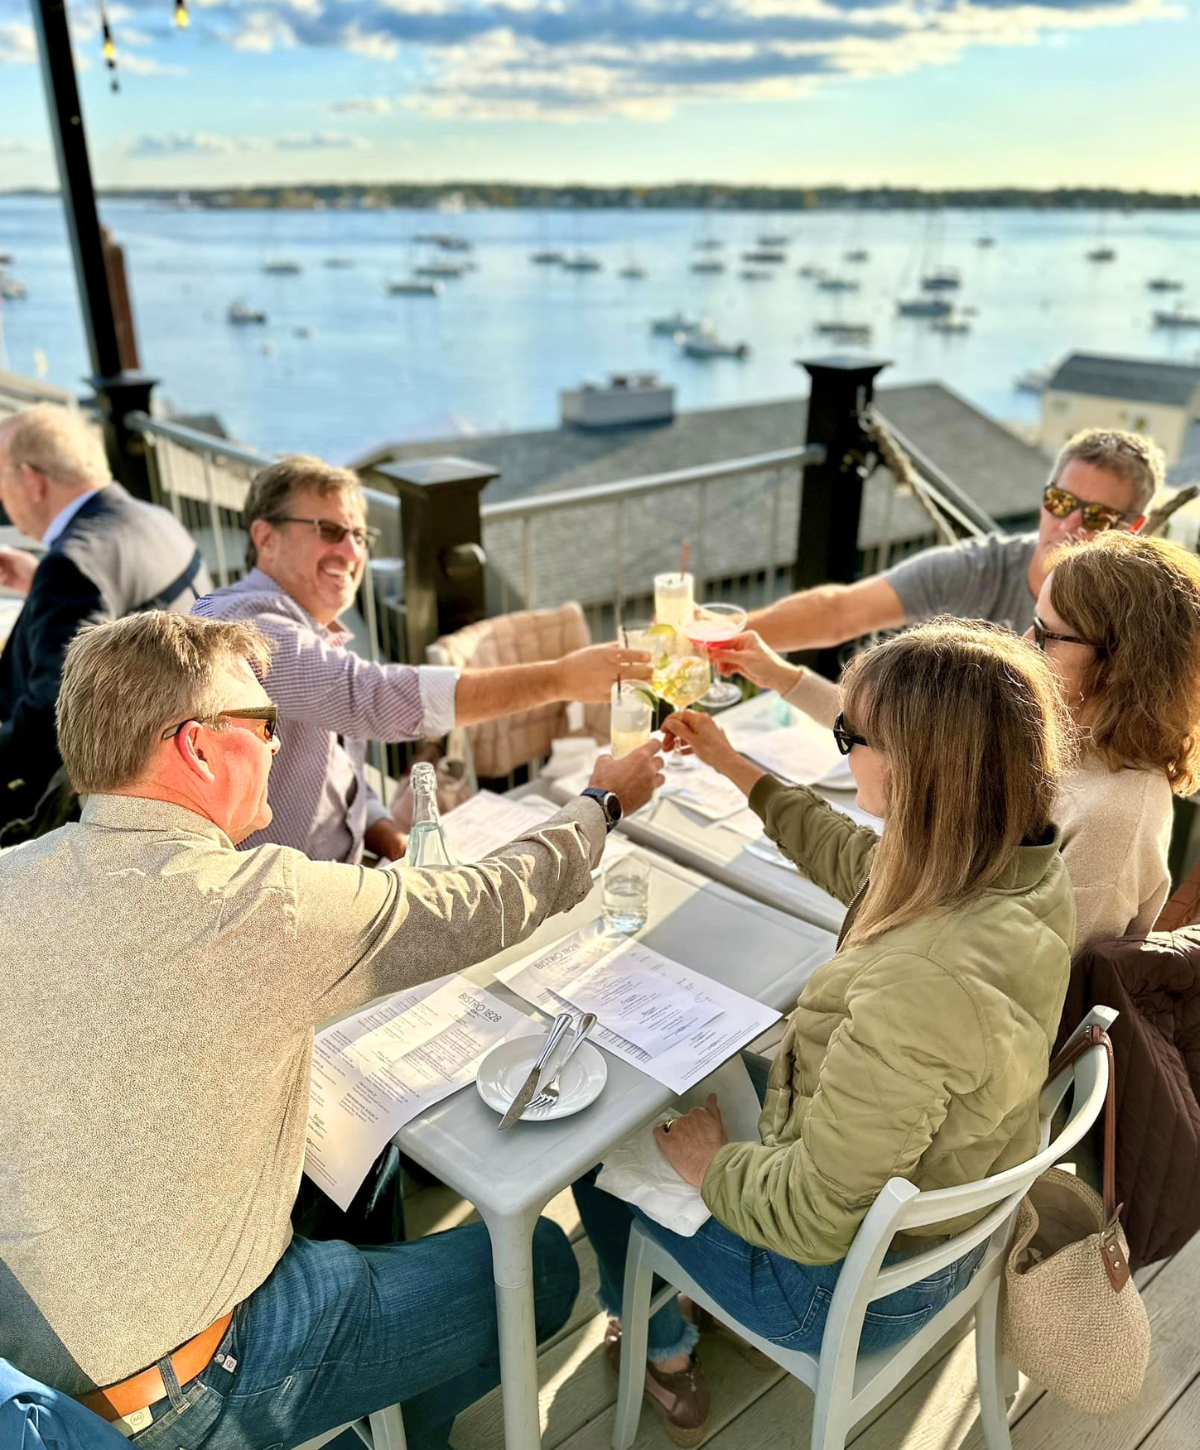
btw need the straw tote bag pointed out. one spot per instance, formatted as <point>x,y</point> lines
<point>1073,1318</point>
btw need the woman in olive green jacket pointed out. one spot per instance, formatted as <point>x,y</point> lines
<point>920,1049</point>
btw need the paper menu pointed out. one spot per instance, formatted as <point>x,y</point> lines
<point>801,754</point>
<point>376,1071</point>
<point>701,789</point>
<point>548,980</point>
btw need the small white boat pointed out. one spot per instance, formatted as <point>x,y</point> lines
<point>1102,254</point>
<point>755,274</point>
<point>773,239</point>
<point>547,257</point>
<point>710,267</point>
<point>944,279</point>
<point>1164,284</point>
<point>581,262</point>
<point>857,254</point>
<point>677,322</point>
<point>633,272</point>
<point>950,326</point>
<point>240,315</point>
<point>705,343</point>
<point>304,332</point>
<point>282,267</point>
<point>1177,318</point>
<point>985,242</point>
<point>337,263</point>
<point>764,254</point>
<point>6,259</point>
<point>708,244</point>
<point>1032,380</point>
<point>450,243</point>
<point>924,307</point>
<point>12,290</point>
<point>440,269</point>
<point>810,270</point>
<point>845,331</point>
<point>836,284</point>
<point>414,287</point>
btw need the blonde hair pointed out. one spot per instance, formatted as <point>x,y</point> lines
<point>57,442</point>
<point>1137,460</point>
<point>271,489</point>
<point>1139,601</point>
<point>125,682</point>
<point>975,736</point>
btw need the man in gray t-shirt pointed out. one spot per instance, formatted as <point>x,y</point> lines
<point>1101,479</point>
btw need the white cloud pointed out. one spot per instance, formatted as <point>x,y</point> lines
<point>323,141</point>
<point>262,32</point>
<point>130,63</point>
<point>193,143</point>
<point>363,105</point>
<point>18,44</point>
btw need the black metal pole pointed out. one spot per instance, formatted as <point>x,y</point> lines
<point>831,498</point>
<point>117,392</point>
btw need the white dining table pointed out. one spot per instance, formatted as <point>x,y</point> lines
<point>510,1177</point>
<point>670,828</point>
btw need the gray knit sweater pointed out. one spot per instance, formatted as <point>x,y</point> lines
<point>160,994</point>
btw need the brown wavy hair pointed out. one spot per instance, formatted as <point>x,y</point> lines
<point>975,736</point>
<point>1139,600</point>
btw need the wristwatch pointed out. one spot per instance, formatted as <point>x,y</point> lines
<point>609,803</point>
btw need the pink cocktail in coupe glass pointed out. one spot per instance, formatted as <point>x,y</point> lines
<point>713,626</point>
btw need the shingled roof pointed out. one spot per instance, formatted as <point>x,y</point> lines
<point>1141,380</point>
<point>1003,474</point>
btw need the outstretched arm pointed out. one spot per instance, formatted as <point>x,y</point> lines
<point>829,615</point>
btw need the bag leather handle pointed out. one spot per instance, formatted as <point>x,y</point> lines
<point>1115,1263</point>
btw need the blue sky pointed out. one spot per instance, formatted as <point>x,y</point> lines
<point>931,92</point>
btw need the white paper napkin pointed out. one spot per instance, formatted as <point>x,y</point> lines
<point>636,1171</point>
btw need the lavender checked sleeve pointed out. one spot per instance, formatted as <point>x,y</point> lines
<point>331,686</point>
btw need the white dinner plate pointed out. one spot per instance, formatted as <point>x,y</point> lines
<point>504,1070</point>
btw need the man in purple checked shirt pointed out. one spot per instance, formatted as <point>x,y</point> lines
<point>307,553</point>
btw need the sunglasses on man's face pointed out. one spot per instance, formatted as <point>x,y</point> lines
<point>1097,517</point>
<point>845,737</point>
<point>330,532</point>
<point>263,721</point>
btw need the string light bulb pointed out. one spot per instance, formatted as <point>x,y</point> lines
<point>182,18</point>
<point>108,48</point>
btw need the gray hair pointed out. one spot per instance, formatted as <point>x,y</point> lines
<point>1137,460</point>
<point>127,681</point>
<point>57,442</point>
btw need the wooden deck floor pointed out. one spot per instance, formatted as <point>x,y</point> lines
<point>936,1409</point>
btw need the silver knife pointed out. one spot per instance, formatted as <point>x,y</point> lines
<point>582,1028</point>
<point>530,1086</point>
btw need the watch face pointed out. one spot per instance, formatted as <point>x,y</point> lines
<point>612,806</point>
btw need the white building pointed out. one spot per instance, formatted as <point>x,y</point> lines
<point>1094,390</point>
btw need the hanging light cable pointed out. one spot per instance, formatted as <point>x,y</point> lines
<point>182,18</point>
<point>109,48</point>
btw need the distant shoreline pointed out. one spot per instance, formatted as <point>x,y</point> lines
<point>452,197</point>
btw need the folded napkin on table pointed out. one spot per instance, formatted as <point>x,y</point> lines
<point>636,1171</point>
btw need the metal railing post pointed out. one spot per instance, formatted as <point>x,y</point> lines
<point>831,493</point>
<point>441,535</point>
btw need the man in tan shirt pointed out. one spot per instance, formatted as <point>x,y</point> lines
<point>157,1041</point>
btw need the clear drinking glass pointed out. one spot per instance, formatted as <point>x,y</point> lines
<point>632,717</point>
<point>626,895</point>
<point>674,600</point>
<point>715,625</point>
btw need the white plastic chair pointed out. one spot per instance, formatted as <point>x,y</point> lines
<point>384,1430</point>
<point>848,1385</point>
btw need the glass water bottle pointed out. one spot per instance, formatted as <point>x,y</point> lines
<point>427,844</point>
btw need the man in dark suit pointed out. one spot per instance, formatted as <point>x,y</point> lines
<point>107,554</point>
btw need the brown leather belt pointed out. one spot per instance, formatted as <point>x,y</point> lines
<point>146,1387</point>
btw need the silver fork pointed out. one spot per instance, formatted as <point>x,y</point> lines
<point>549,1094</point>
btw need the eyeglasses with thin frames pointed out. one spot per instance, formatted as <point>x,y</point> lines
<point>263,722</point>
<point>845,737</point>
<point>1041,634</point>
<point>331,532</point>
<point>1097,517</point>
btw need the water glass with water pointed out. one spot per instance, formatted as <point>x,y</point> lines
<point>626,895</point>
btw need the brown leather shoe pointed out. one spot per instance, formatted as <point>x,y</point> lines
<point>681,1399</point>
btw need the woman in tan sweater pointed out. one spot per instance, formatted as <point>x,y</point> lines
<point>1119,619</point>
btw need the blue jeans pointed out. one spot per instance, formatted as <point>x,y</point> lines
<point>336,1332</point>
<point>776,1297</point>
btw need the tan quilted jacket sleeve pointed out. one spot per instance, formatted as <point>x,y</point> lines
<point>827,846</point>
<point>913,1039</point>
